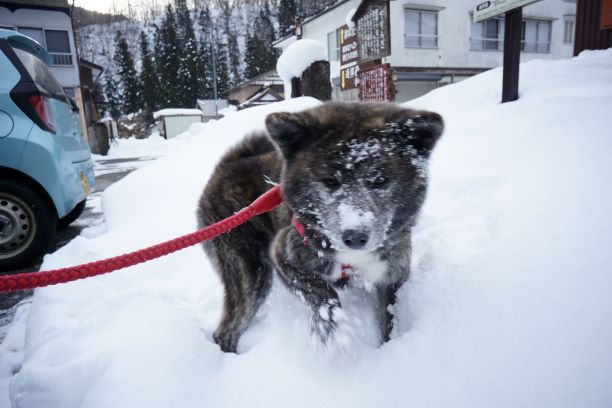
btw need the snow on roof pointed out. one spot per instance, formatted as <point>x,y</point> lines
<point>298,56</point>
<point>349,18</point>
<point>177,112</point>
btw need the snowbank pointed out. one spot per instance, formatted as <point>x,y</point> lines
<point>296,58</point>
<point>508,305</point>
<point>177,112</point>
<point>152,146</point>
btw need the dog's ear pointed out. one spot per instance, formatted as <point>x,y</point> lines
<point>422,129</point>
<point>290,131</point>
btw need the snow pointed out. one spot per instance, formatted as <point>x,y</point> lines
<point>508,303</point>
<point>177,112</point>
<point>152,146</point>
<point>296,58</point>
<point>349,18</point>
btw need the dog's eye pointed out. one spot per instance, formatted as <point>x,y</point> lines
<point>378,182</point>
<point>331,182</point>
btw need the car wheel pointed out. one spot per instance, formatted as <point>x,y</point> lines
<point>27,224</point>
<point>72,215</point>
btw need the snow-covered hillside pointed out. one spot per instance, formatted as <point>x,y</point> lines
<point>508,305</point>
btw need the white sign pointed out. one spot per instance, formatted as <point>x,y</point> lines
<point>492,8</point>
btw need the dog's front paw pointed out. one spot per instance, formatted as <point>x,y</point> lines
<point>325,320</point>
<point>226,340</point>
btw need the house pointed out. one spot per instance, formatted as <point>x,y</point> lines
<point>263,96</point>
<point>173,122</point>
<point>264,88</point>
<point>89,74</point>
<point>49,23</point>
<point>436,42</point>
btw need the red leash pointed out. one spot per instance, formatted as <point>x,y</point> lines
<point>266,202</point>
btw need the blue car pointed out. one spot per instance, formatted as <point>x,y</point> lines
<point>46,171</point>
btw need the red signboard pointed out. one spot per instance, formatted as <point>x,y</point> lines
<point>375,84</point>
<point>348,45</point>
<point>348,77</point>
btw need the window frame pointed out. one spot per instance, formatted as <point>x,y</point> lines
<point>499,40</point>
<point>537,41</point>
<point>547,44</point>
<point>569,20</point>
<point>420,34</point>
<point>336,50</point>
<point>59,59</point>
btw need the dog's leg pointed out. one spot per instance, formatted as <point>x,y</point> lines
<point>309,286</point>
<point>317,294</point>
<point>386,299</point>
<point>247,277</point>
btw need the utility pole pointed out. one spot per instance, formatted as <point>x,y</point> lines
<point>214,61</point>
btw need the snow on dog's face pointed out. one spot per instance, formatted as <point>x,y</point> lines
<point>355,174</point>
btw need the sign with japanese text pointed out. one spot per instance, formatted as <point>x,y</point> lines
<point>375,84</point>
<point>348,45</point>
<point>373,34</point>
<point>492,8</point>
<point>348,77</point>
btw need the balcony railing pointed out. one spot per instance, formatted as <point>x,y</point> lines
<point>61,58</point>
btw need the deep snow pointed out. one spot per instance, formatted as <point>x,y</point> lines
<point>508,304</point>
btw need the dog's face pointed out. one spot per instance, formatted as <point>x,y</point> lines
<point>355,174</point>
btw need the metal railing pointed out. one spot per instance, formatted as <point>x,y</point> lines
<point>61,58</point>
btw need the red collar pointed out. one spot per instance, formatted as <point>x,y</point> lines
<point>345,269</point>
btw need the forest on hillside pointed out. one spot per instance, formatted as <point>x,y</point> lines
<point>158,57</point>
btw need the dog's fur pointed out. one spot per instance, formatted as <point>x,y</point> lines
<point>355,176</point>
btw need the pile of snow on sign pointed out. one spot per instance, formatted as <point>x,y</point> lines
<point>298,56</point>
<point>508,303</point>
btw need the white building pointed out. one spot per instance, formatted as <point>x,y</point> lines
<point>49,23</point>
<point>436,42</point>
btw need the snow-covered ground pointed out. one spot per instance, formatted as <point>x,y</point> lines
<point>508,305</point>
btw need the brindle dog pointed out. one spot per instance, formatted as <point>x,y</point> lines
<point>353,176</point>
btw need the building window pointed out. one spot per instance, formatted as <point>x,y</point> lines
<point>58,46</point>
<point>6,28</point>
<point>56,42</point>
<point>34,33</point>
<point>536,36</point>
<point>420,29</point>
<point>568,32</point>
<point>333,45</point>
<point>487,35</point>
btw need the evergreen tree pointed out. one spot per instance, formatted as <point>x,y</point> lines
<point>204,69</point>
<point>223,81</point>
<point>130,85</point>
<point>260,55</point>
<point>187,73</point>
<point>233,55</point>
<point>167,50</point>
<point>287,11</point>
<point>111,91</point>
<point>148,76</point>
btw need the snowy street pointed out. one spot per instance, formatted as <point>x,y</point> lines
<point>107,171</point>
<point>508,303</point>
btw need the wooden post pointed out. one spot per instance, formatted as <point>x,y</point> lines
<point>512,54</point>
<point>296,90</point>
<point>315,81</point>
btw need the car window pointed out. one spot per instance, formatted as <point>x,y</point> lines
<point>40,73</point>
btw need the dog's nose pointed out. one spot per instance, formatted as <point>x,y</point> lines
<point>355,239</point>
